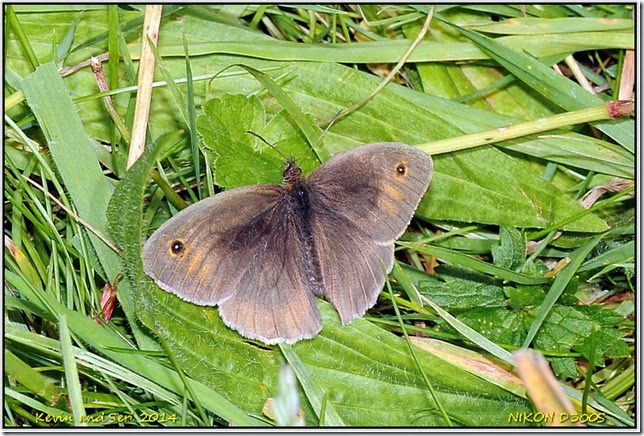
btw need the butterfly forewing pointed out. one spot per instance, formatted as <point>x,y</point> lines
<point>202,253</point>
<point>382,199</point>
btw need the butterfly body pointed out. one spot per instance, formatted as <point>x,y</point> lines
<point>262,253</point>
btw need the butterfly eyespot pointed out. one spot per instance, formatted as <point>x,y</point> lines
<point>177,247</point>
<point>401,168</point>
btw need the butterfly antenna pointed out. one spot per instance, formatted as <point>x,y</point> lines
<point>322,135</point>
<point>257,135</point>
<point>389,77</point>
<point>331,121</point>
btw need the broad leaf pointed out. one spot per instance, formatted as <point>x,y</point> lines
<point>366,373</point>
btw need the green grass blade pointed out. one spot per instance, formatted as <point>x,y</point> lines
<point>559,285</point>
<point>477,265</point>
<point>391,51</point>
<point>44,416</point>
<point>555,87</point>
<point>623,253</point>
<point>71,149</point>
<point>192,120</point>
<point>472,334</point>
<point>314,393</point>
<point>540,26</point>
<point>90,362</point>
<point>71,373</point>
<point>12,20</point>
<point>430,386</point>
<point>179,100</point>
<point>186,383</point>
<point>32,380</point>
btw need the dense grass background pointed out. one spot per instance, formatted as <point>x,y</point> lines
<point>527,243</point>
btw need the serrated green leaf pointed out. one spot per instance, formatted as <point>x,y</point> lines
<point>563,367</point>
<point>608,343</point>
<point>311,133</point>
<point>458,288</point>
<point>224,126</point>
<point>524,296</point>
<point>568,328</point>
<point>563,328</point>
<point>240,157</point>
<point>510,253</point>
<point>497,324</point>
<point>606,318</point>
<point>559,286</point>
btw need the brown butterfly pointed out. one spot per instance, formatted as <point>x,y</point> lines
<point>263,253</point>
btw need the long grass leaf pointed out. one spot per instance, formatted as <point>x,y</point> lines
<point>472,334</point>
<point>71,149</point>
<point>391,51</point>
<point>313,392</point>
<point>555,87</point>
<point>559,285</point>
<point>477,265</point>
<point>430,386</point>
<point>71,373</point>
<point>31,379</point>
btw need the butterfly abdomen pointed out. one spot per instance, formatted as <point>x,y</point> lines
<point>299,203</point>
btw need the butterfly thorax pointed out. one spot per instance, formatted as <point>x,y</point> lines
<point>292,174</point>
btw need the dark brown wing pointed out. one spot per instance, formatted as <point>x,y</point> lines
<point>364,199</point>
<point>376,186</point>
<point>271,302</point>
<point>237,249</point>
<point>352,264</point>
